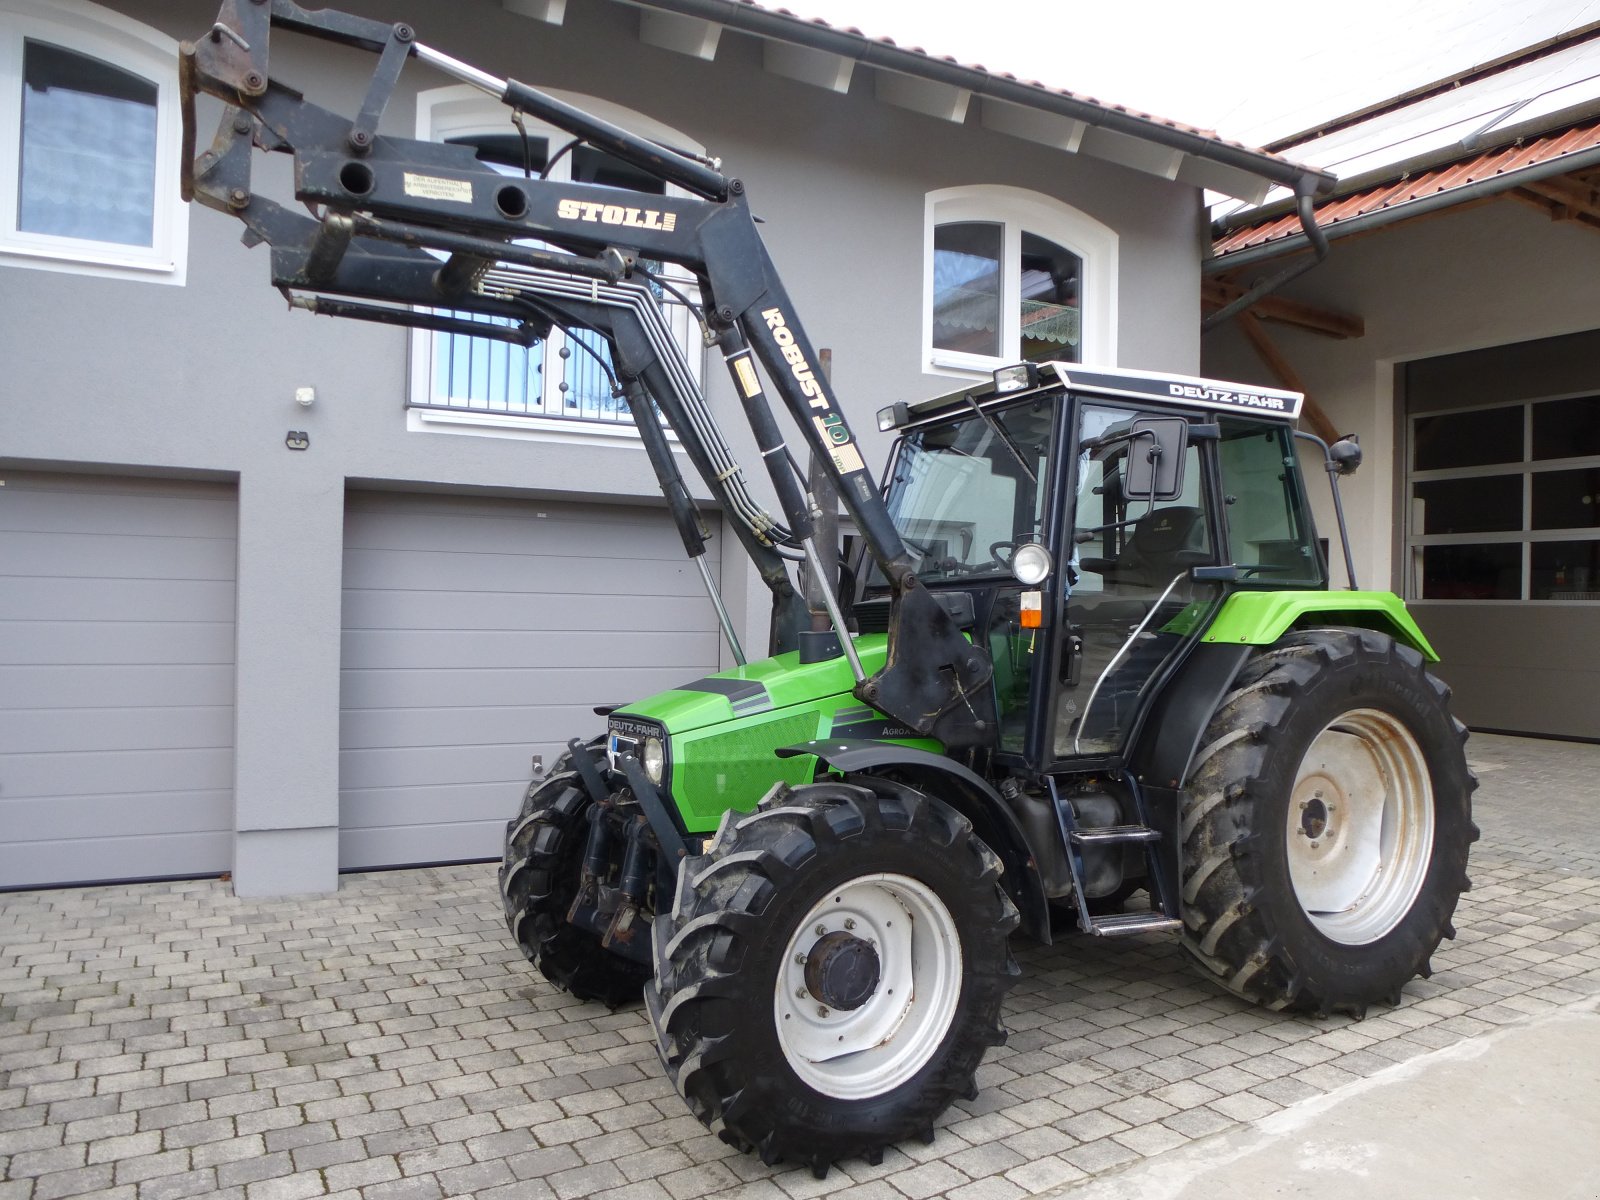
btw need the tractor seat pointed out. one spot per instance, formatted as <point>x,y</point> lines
<point>1162,544</point>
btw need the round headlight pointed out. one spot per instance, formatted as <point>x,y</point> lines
<point>1030,563</point>
<point>655,759</point>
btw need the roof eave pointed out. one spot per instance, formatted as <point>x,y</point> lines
<point>766,23</point>
<point>1580,160</point>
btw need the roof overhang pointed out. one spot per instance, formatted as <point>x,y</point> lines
<point>826,56</point>
<point>1412,190</point>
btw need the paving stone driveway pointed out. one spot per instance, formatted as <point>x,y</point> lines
<point>166,1040</point>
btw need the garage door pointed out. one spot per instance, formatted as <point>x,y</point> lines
<point>478,633</point>
<point>116,678</point>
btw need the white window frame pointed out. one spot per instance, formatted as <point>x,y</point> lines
<point>464,111</point>
<point>128,45</point>
<point>1020,211</point>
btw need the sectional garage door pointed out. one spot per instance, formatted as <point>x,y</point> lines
<point>478,633</point>
<point>116,678</point>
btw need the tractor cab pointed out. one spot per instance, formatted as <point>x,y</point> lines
<point>1085,527</point>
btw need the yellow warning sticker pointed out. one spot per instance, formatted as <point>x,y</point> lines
<point>436,187</point>
<point>746,371</point>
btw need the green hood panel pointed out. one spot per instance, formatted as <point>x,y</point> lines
<point>1261,618</point>
<point>722,730</point>
<point>758,687</point>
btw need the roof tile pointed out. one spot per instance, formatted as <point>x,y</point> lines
<point>1391,194</point>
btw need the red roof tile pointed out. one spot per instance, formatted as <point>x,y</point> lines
<point>1395,193</point>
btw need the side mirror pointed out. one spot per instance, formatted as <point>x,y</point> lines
<point>1155,459</point>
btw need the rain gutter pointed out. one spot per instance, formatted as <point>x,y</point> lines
<point>1314,237</point>
<point>1579,160</point>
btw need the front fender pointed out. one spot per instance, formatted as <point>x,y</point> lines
<point>965,791</point>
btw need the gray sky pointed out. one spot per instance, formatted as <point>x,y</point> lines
<point>1251,72</point>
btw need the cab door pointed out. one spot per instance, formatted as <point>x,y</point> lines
<point>1131,606</point>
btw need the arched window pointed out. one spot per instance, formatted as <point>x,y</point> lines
<point>561,383</point>
<point>1010,275</point>
<point>89,143</point>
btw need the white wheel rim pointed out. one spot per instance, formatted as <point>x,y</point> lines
<point>1360,827</point>
<point>872,1049</point>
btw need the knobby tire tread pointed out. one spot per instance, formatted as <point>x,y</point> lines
<point>712,999</point>
<point>1242,923</point>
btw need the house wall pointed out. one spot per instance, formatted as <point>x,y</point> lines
<point>1494,275</point>
<point>198,381</point>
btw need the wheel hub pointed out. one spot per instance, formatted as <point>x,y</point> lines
<point>842,971</point>
<point>1314,816</point>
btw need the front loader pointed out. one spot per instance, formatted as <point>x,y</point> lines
<point>1088,671</point>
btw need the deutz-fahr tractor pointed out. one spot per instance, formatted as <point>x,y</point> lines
<point>1087,671</point>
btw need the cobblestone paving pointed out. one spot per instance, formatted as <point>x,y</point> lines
<point>168,1040</point>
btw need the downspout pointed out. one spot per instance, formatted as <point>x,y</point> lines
<point>1319,247</point>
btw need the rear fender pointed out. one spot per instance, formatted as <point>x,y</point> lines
<point>963,790</point>
<point>1261,618</point>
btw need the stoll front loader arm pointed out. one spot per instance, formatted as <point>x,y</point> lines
<point>405,232</point>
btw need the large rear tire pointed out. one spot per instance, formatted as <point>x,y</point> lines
<point>1326,825</point>
<point>831,972</point>
<point>538,880</point>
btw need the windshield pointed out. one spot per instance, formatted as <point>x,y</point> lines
<point>964,495</point>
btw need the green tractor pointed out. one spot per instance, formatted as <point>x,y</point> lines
<point>1086,670</point>
<point>1179,709</point>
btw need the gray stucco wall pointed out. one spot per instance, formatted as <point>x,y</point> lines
<point>199,380</point>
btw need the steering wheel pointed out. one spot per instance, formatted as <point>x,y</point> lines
<point>995,548</point>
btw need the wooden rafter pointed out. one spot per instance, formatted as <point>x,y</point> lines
<point>1565,198</point>
<point>1214,293</point>
<point>1250,325</point>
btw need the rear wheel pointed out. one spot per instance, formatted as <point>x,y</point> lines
<point>831,972</point>
<point>1326,824</point>
<point>538,881</point>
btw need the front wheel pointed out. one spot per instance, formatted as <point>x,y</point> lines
<point>1326,824</point>
<point>831,972</point>
<point>539,876</point>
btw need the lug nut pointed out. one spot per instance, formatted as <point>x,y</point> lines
<point>849,923</point>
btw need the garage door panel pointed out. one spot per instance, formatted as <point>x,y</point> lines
<point>95,556</point>
<point>478,633</point>
<point>520,532</point>
<point>433,804</point>
<point>110,643</point>
<point>430,766</point>
<point>447,842</point>
<point>101,771</point>
<point>53,731</point>
<point>67,599</point>
<point>116,678</point>
<point>429,571</point>
<point>87,504</point>
<point>159,685</point>
<point>475,726</point>
<point>580,687</point>
<point>510,610</point>
<point>464,648</point>
<point>47,819</point>
<point>151,856</point>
